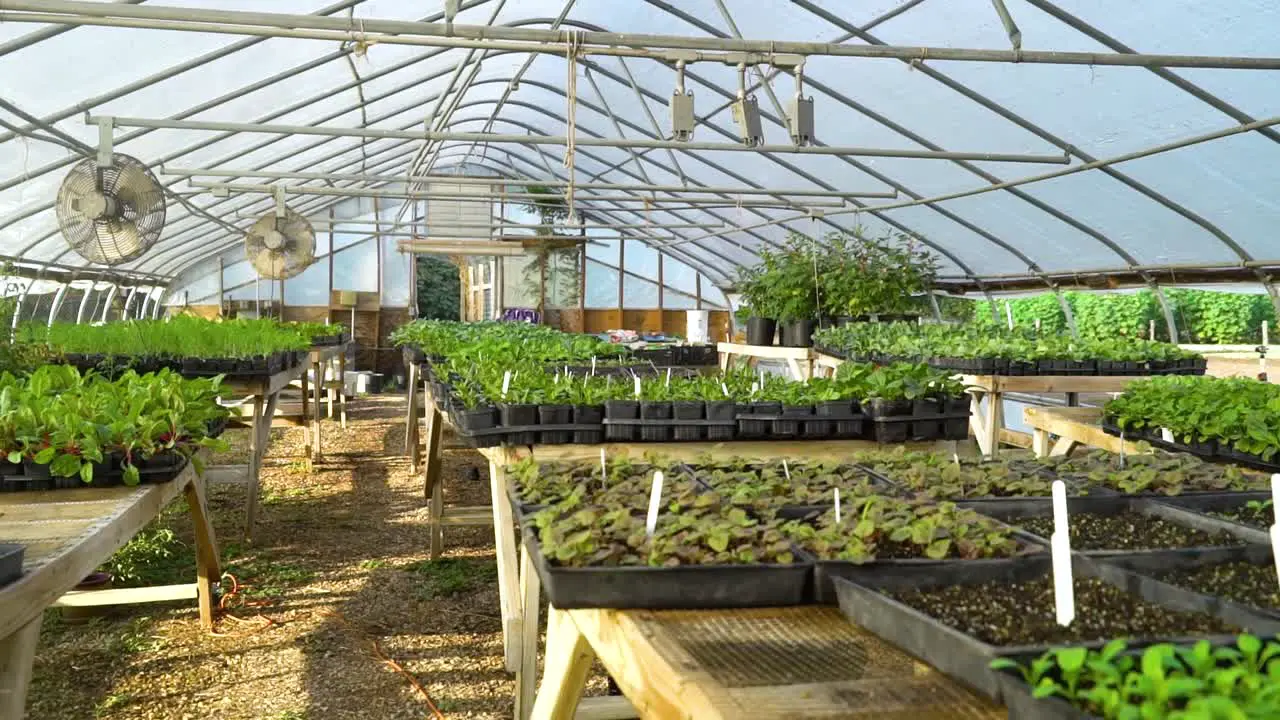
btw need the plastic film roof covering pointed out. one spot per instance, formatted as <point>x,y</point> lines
<point>1188,206</point>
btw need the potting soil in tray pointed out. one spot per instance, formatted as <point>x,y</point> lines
<point>1254,517</point>
<point>1019,614</point>
<point>1126,531</point>
<point>1242,582</point>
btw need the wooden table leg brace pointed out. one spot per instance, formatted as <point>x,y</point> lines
<point>568,663</point>
<point>411,416</point>
<point>432,487</point>
<point>264,409</point>
<point>986,422</point>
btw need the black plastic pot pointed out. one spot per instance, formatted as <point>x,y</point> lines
<point>483,417</point>
<point>621,410</point>
<point>751,428</point>
<point>10,562</point>
<point>588,415</point>
<point>7,468</point>
<point>519,415</point>
<point>555,415</point>
<point>760,331</point>
<point>688,410</point>
<point>161,467</point>
<point>956,428</point>
<point>658,412</point>
<point>671,588</point>
<point>792,419</point>
<point>1022,705</point>
<point>721,411</point>
<point>926,429</point>
<point>890,431</point>
<point>798,333</point>
<point>35,470</point>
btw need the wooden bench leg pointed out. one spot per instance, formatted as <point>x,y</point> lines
<point>1062,447</point>
<point>568,663</point>
<point>432,485</point>
<point>208,565</point>
<point>260,434</point>
<point>17,658</point>
<point>1040,442</point>
<point>530,597</point>
<point>411,416</point>
<point>308,427</point>
<point>508,567</point>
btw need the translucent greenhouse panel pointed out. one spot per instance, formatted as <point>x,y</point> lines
<point>640,259</point>
<point>678,276</point>
<point>637,293</point>
<point>310,287</point>
<point>606,251</point>
<point>519,283</point>
<point>70,307</point>
<point>673,300</point>
<point>356,267</point>
<point>563,278</point>
<point>396,274</point>
<point>602,286</point>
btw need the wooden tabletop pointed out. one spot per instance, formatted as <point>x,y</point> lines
<point>266,385</point>
<point>766,351</point>
<point>1050,383</point>
<point>324,352</point>
<point>68,534</point>
<point>801,662</point>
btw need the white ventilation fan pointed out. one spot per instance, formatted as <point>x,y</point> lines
<point>110,212</point>
<point>280,244</point>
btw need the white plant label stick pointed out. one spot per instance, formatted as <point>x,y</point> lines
<point>604,473</point>
<point>637,379</point>
<point>837,506</point>
<point>655,500</point>
<point>725,388</point>
<point>786,470</point>
<point>593,364</point>
<point>1064,598</point>
<point>506,383</point>
<point>1121,449</point>
<point>668,377</point>
<point>1275,527</point>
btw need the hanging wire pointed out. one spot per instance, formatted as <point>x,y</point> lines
<point>571,111</point>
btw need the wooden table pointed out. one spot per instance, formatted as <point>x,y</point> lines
<point>334,391</point>
<point>519,588</point>
<point>1073,426</point>
<point>68,534</point>
<point>264,393</point>
<point>987,423</point>
<point>800,360</point>
<point>763,664</point>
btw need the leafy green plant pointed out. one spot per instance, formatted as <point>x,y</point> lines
<point>878,527</point>
<point>1177,682</point>
<point>692,530</point>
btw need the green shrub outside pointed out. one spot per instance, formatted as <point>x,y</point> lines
<point>1203,316</point>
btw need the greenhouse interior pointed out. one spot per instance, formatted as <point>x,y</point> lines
<point>598,359</point>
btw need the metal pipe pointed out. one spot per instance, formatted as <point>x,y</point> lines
<point>1062,159</point>
<point>486,197</point>
<point>467,180</point>
<point>1166,147</point>
<point>525,226</point>
<point>556,41</point>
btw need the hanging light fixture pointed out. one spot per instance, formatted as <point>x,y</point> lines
<point>746,113</point>
<point>682,119</point>
<point>800,117</point>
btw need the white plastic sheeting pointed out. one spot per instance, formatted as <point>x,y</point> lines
<point>1187,206</point>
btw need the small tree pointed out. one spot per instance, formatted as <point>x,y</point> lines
<point>554,270</point>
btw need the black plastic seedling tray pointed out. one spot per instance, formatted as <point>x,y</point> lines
<point>1137,572</point>
<point>10,562</point>
<point>672,588</point>
<point>952,651</point>
<point>1009,510</point>
<point>1202,505</point>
